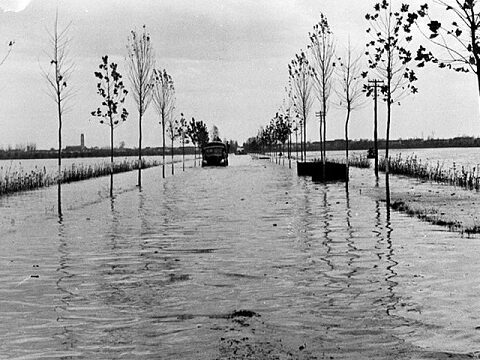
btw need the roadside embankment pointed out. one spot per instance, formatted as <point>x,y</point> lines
<point>440,204</point>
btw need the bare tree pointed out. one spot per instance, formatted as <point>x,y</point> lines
<point>350,92</point>
<point>164,101</point>
<point>322,47</point>
<point>58,79</point>
<point>112,90</point>
<point>183,128</point>
<point>389,56</point>
<point>301,83</point>
<point>174,131</point>
<point>287,110</point>
<point>141,63</point>
<point>282,130</point>
<point>192,133</point>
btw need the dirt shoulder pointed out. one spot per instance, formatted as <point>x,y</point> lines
<point>444,205</point>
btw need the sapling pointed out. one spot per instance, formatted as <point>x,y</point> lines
<point>111,113</point>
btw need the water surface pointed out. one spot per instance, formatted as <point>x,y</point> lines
<point>163,272</point>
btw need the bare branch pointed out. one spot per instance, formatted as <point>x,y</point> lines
<point>140,62</point>
<point>58,76</point>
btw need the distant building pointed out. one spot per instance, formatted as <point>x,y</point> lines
<point>76,148</point>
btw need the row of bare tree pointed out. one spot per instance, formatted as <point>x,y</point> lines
<point>147,84</point>
<point>388,62</point>
<point>312,74</point>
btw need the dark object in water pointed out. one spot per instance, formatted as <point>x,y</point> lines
<point>215,153</point>
<point>332,172</point>
<point>243,313</point>
<point>371,153</point>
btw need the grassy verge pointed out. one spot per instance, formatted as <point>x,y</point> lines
<point>358,161</point>
<point>410,166</point>
<point>433,216</point>
<point>12,181</point>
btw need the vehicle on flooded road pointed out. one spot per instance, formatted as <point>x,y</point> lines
<point>215,153</point>
<point>240,151</point>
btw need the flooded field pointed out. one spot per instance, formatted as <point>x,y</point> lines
<point>51,165</point>
<point>243,262</point>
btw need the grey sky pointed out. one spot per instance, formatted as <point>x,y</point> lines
<point>228,59</point>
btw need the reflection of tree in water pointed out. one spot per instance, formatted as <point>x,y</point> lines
<point>68,337</point>
<point>385,250</point>
<point>59,199</point>
<point>303,219</point>
<point>391,267</point>
<point>115,265</point>
<point>155,229</point>
<point>326,218</point>
<point>352,249</point>
<point>145,228</point>
<point>157,236</point>
<point>307,215</point>
<point>115,224</point>
<point>340,249</point>
<point>387,195</point>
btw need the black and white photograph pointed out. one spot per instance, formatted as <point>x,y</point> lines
<point>240,179</point>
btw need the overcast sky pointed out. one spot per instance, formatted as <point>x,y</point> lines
<point>228,59</point>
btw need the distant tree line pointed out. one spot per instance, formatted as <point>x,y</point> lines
<point>31,152</point>
<point>253,145</point>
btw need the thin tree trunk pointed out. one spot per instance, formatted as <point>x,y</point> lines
<point>163,145</point>
<point>296,145</point>
<point>111,158</point>
<point>478,76</point>
<point>387,189</point>
<point>173,169</point>
<point>305,134</point>
<point>59,148</point>
<point>183,154</point>
<point>375,131</point>
<point>387,156</point>
<point>346,142</point>
<point>389,105</point>
<point>324,138</point>
<point>321,139</point>
<point>387,145</point>
<point>59,200</point>
<point>301,143</point>
<point>140,150</point>
<point>290,150</point>
<point>324,142</point>
<point>59,180</point>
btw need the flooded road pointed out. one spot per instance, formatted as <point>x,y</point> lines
<point>247,261</point>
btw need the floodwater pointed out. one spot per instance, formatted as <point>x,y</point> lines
<point>445,157</point>
<point>51,165</point>
<point>243,262</point>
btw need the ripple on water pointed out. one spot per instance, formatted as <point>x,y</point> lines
<point>161,271</point>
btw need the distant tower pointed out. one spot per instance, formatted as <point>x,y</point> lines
<point>82,140</point>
